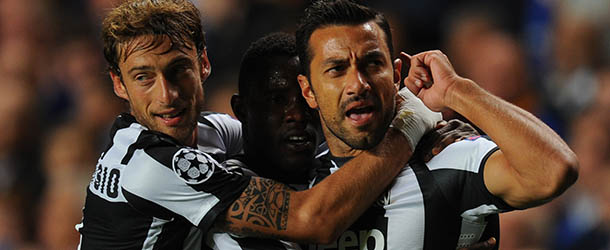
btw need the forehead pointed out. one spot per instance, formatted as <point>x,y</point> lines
<point>281,73</point>
<point>337,40</point>
<point>146,49</point>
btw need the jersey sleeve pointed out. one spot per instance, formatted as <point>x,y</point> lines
<point>229,130</point>
<point>171,182</point>
<point>458,169</point>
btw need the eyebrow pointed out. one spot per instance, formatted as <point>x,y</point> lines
<point>333,61</point>
<point>179,59</point>
<point>145,67</point>
<point>373,54</point>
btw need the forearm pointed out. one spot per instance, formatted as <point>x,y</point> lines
<point>335,203</point>
<point>270,209</point>
<point>540,160</point>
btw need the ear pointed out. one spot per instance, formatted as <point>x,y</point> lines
<point>397,69</point>
<point>206,68</point>
<point>307,91</point>
<point>119,87</point>
<point>237,104</point>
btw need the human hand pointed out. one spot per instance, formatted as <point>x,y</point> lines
<point>444,134</point>
<point>413,118</point>
<point>430,76</point>
<point>485,245</point>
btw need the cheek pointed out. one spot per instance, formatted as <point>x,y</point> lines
<point>328,94</point>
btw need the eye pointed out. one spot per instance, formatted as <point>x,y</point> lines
<point>144,78</point>
<point>179,69</point>
<point>336,69</point>
<point>278,99</point>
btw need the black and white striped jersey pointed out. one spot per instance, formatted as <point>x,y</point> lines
<point>442,204</point>
<point>150,192</point>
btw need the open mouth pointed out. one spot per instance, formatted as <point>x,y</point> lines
<point>171,118</point>
<point>360,115</point>
<point>299,142</point>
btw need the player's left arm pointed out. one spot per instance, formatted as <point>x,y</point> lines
<point>533,165</point>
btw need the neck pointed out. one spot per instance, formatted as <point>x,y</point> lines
<point>337,147</point>
<point>193,140</point>
<point>271,170</point>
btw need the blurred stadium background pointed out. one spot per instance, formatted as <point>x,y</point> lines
<point>551,57</point>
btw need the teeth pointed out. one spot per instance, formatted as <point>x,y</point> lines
<point>170,115</point>
<point>297,138</point>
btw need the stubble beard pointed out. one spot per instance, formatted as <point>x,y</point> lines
<point>359,142</point>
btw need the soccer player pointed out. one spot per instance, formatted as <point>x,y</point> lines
<point>279,128</point>
<point>345,50</point>
<point>159,185</point>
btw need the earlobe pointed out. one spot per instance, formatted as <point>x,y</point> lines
<point>119,87</point>
<point>307,92</point>
<point>206,68</point>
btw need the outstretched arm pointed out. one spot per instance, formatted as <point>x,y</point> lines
<point>270,209</point>
<point>533,164</point>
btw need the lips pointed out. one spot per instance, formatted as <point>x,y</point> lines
<point>170,118</point>
<point>299,141</point>
<point>359,113</point>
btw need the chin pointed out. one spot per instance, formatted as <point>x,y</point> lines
<point>181,134</point>
<point>298,163</point>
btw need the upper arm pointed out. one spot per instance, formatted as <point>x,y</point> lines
<point>460,170</point>
<point>502,181</point>
<point>167,182</point>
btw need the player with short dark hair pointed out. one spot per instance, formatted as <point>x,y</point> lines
<point>270,106</point>
<point>271,110</point>
<point>159,184</point>
<point>445,203</point>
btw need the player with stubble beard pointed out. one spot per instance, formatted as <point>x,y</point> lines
<point>446,203</point>
<point>280,130</point>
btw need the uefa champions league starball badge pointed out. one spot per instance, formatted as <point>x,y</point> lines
<point>193,166</point>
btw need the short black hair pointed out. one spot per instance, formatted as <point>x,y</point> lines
<point>324,13</point>
<point>257,58</point>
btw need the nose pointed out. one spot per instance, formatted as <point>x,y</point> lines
<point>356,83</point>
<point>168,92</point>
<point>296,111</point>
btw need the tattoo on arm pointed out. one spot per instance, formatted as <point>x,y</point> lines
<point>265,203</point>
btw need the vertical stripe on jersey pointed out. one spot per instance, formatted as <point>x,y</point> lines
<point>153,233</point>
<point>195,239</point>
<point>173,235</point>
<point>104,222</point>
<point>123,138</point>
<point>438,211</point>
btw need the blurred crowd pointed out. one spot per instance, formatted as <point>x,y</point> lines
<point>550,57</point>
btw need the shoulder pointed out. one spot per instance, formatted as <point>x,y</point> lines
<point>467,154</point>
<point>218,121</point>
